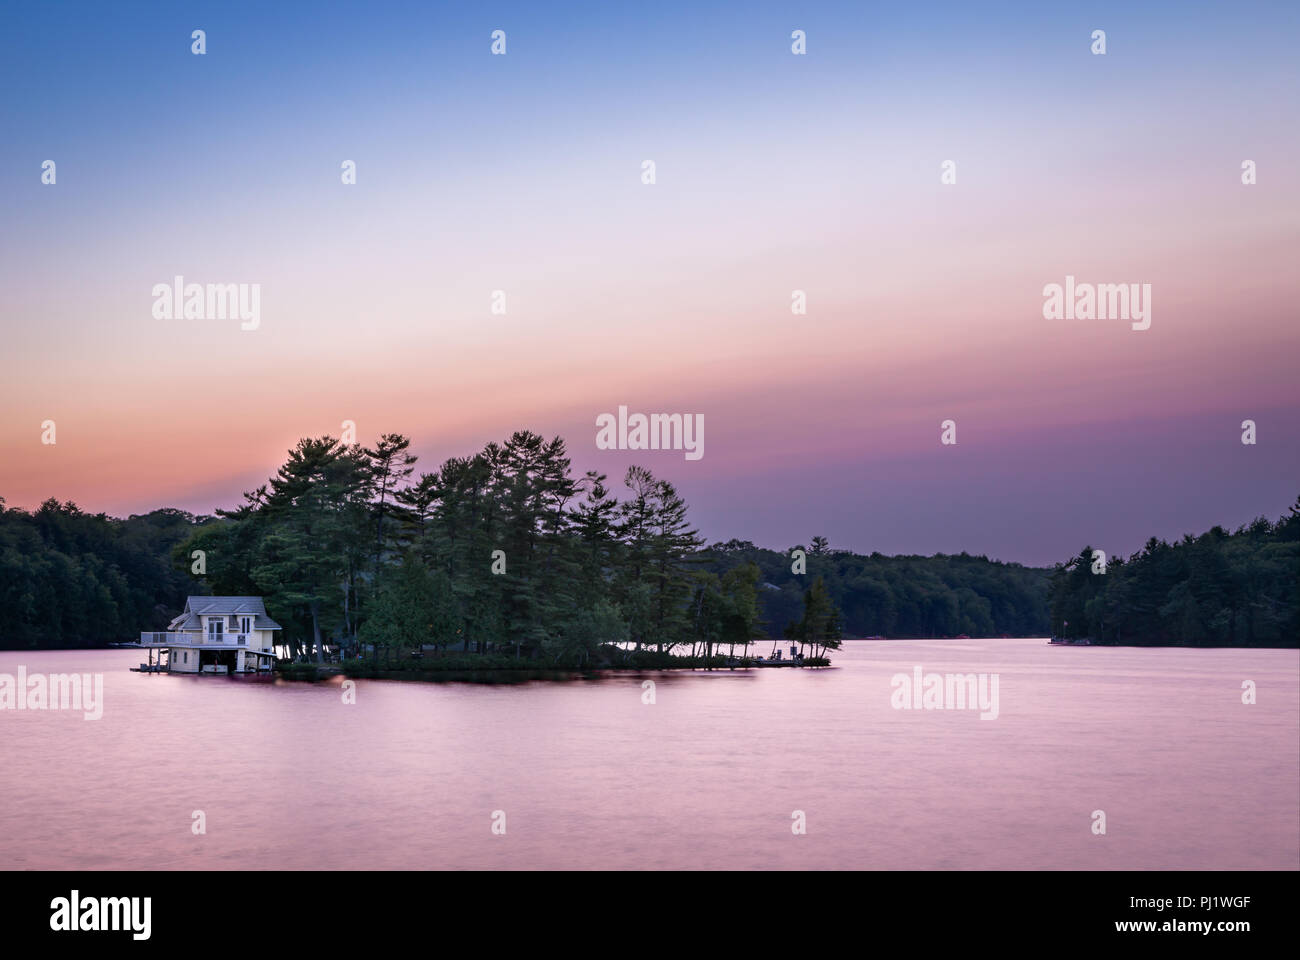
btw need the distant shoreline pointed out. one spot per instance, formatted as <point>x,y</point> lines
<point>1139,646</point>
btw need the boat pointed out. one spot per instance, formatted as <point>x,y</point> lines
<point>1063,642</point>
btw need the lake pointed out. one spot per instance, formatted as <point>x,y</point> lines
<point>710,775</point>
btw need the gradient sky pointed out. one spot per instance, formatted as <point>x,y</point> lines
<point>775,173</point>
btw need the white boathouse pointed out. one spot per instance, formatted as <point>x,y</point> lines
<point>220,635</point>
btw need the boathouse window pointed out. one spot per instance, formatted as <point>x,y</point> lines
<point>216,628</point>
<point>244,625</point>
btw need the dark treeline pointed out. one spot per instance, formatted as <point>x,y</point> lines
<point>501,552</point>
<point>505,552</point>
<point>1237,589</point>
<point>939,596</point>
<point>73,579</point>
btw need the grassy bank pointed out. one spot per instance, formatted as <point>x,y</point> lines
<point>494,668</point>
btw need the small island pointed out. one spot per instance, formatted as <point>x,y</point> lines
<point>505,561</point>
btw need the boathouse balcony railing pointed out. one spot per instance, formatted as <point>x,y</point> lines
<point>193,639</point>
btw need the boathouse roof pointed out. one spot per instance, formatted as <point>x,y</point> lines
<point>196,607</point>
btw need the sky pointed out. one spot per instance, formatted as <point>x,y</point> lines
<point>774,172</point>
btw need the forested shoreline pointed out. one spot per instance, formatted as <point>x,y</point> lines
<point>1221,588</point>
<point>506,553</point>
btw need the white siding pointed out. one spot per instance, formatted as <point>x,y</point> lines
<point>183,661</point>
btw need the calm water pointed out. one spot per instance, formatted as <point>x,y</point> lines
<point>708,776</point>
